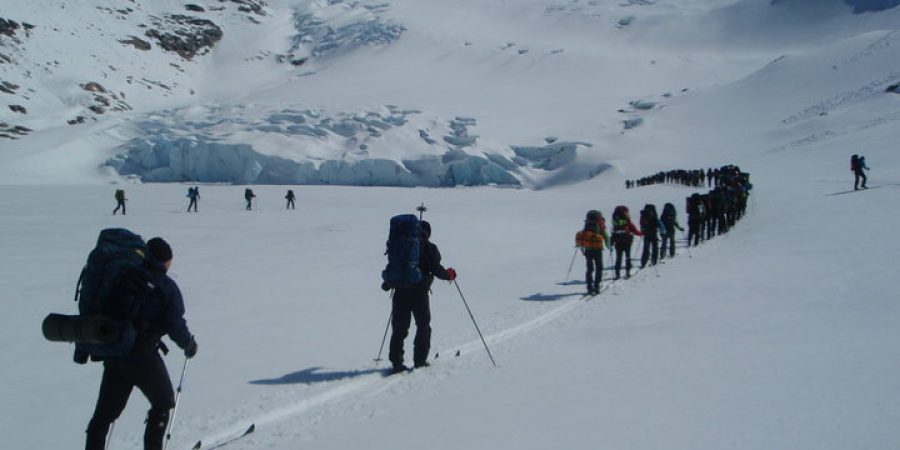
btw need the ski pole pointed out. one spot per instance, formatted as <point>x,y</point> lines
<point>687,244</point>
<point>571,264</point>
<point>175,408</point>
<point>112,427</point>
<point>475,323</point>
<point>384,338</point>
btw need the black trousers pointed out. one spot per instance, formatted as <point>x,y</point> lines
<point>192,203</point>
<point>119,205</point>
<point>668,242</point>
<point>408,304</point>
<point>650,250</point>
<point>290,204</point>
<point>120,376</point>
<point>594,273</point>
<point>857,175</point>
<point>623,248</point>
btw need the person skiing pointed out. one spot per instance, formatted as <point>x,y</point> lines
<point>290,199</point>
<point>622,238</point>
<point>249,195</point>
<point>591,240</point>
<point>413,301</point>
<point>670,223</point>
<point>162,313</point>
<point>193,194</point>
<point>858,166</point>
<point>651,227</point>
<point>120,201</point>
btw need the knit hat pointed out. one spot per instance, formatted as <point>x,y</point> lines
<point>159,249</point>
<point>426,229</point>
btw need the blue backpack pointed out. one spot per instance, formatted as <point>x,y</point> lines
<point>113,284</point>
<point>403,246</point>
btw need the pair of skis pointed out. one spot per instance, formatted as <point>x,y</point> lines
<point>199,444</point>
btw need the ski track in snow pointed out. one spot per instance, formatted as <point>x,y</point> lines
<point>332,401</point>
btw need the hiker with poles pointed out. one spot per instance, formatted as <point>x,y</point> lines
<point>591,240</point>
<point>413,263</point>
<point>162,312</point>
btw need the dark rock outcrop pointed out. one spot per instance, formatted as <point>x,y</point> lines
<point>186,35</point>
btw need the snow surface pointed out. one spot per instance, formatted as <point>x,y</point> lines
<point>781,334</point>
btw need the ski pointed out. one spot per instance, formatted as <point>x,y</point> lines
<point>199,444</point>
<point>603,289</point>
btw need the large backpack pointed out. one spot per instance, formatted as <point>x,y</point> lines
<point>649,219</point>
<point>587,238</point>
<point>620,219</point>
<point>113,284</point>
<point>403,247</point>
<point>854,163</point>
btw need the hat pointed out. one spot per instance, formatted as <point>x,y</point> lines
<point>159,249</point>
<point>426,229</point>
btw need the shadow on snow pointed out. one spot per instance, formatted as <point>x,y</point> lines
<point>313,375</point>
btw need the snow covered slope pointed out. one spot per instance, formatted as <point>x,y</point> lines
<point>532,93</point>
<point>780,334</point>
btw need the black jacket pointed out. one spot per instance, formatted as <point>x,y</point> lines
<point>430,265</point>
<point>163,313</point>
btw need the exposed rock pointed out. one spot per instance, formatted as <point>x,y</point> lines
<point>75,121</point>
<point>895,88</point>
<point>93,87</point>
<point>137,43</point>
<point>8,27</point>
<point>193,7</point>
<point>18,109</point>
<point>251,6</point>
<point>189,36</point>
<point>8,87</point>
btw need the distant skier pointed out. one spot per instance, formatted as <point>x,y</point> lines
<point>120,201</point>
<point>290,199</point>
<point>591,240</point>
<point>670,223</point>
<point>858,166</point>
<point>193,194</point>
<point>652,228</point>
<point>413,301</point>
<point>622,238</point>
<point>163,313</point>
<point>249,195</point>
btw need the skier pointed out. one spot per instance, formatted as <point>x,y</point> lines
<point>858,166</point>
<point>622,238</point>
<point>669,220</point>
<point>413,301</point>
<point>193,194</point>
<point>249,195</point>
<point>290,199</point>
<point>591,240</point>
<point>651,227</point>
<point>696,217</point>
<point>162,313</point>
<point>120,201</point>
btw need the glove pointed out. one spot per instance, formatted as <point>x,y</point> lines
<point>451,274</point>
<point>385,286</point>
<point>191,350</point>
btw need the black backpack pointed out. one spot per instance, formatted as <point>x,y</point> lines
<point>114,284</point>
<point>403,248</point>
<point>854,162</point>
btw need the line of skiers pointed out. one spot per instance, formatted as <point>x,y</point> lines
<point>708,215</point>
<point>718,210</point>
<point>691,178</point>
<point>193,196</point>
